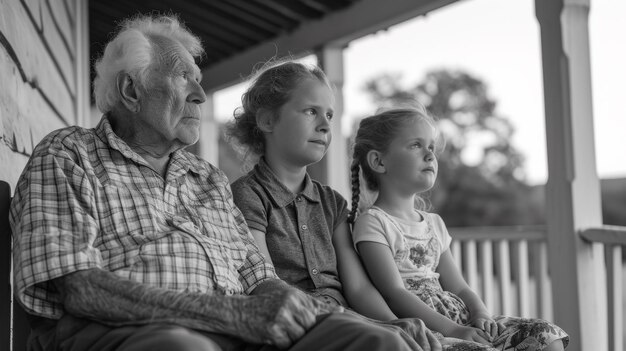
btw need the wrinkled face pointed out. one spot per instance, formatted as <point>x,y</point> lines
<point>410,162</point>
<point>170,111</point>
<point>301,130</point>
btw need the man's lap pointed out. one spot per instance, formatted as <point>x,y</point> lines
<point>337,331</point>
<point>75,334</point>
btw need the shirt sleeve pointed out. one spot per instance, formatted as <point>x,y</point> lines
<point>250,204</point>
<point>369,228</point>
<point>441,231</point>
<point>255,269</point>
<point>53,223</point>
<point>342,210</point>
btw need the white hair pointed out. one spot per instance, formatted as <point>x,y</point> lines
<point>137,45</point>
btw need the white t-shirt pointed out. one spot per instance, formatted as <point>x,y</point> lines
<point>415,245</point>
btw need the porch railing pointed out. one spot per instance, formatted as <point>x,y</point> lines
<point>614,240</point>
<point>508,268</point>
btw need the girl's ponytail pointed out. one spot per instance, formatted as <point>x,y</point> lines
<point>356,192</point>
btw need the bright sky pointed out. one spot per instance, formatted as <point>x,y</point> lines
<point>498,42</point>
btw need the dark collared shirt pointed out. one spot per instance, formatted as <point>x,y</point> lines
<point>87,200</point>
<point>298,228</point>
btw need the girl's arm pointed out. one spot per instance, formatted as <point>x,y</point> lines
<point>259,238</point>
<point>452,281</point>
<point>381,267</point>
<point>357,287</point>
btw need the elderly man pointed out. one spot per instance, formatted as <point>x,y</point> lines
<point>124,241</point>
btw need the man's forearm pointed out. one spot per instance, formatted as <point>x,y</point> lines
<point>276,314</point>
<point>102,296</point>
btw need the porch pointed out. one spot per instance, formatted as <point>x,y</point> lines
<point>510,269</point>
<point>569,271</point>
<point>560,271</point>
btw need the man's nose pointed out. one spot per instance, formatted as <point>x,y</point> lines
<point>197,95</point>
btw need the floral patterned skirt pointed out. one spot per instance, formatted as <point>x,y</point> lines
<point>520,334</point>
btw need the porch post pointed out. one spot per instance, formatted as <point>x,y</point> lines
<point>334,168</point>
<point>208,145</point>
<point>573,188</point>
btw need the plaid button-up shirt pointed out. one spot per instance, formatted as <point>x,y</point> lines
<point>86,200</point>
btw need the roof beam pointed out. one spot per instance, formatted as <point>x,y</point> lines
<point>293,9</point>
<point>337,29</point>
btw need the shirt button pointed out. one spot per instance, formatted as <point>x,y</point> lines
<point>304,227</point>
<point>314,271</point>
<point>298,198</point>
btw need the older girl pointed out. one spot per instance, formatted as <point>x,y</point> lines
<point>298,223</point>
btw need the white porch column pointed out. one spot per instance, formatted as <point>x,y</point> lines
<point>573,188</point>
<point>208,145</point>
<point>334,168</point>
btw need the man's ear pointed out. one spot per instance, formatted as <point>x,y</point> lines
<point>375,161</point>
<point>265,120</point>
<point>129,92</point>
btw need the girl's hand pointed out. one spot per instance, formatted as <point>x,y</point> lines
<point>470,334</point>
<point>488,325</point>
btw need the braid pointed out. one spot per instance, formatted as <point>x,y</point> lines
<point>354,172</point>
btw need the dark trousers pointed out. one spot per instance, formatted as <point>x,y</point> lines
<point>335,332</point>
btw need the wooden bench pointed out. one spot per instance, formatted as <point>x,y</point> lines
<point>14,327</point>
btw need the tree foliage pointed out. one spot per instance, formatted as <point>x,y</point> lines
<point>481,179</point>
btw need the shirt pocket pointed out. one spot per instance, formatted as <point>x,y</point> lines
<point>213,217</point>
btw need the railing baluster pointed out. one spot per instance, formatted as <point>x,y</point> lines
<point>456,253</point>
<point>613,255</point>
<point>542,287</point>
<point>486,262</point>
<point>470,263</point>
<point>504,277</point>
<point>521,271</point>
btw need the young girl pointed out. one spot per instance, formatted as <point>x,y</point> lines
<point>299,224</point>
<point>406,250</point>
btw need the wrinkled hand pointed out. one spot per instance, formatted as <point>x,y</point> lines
<point>488,325</point>
<point>417,330</point>
<point>471,334</point>
<point>279,318</point>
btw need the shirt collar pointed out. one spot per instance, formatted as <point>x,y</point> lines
<point>180,159</point>
<point>278,192</point>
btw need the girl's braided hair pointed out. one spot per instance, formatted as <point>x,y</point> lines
<point>376,133</point>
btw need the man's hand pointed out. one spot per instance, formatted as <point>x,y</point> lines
<point>279,316</point>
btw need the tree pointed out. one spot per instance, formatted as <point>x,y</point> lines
<point>481,180</point>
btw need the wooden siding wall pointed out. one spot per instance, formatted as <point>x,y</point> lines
<point>44,85</point>
<point>43,75</point>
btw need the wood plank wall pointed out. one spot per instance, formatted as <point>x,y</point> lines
<point>44,85</point>
<point>42,55</point>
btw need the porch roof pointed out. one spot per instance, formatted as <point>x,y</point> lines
<point>226,27</point>
<point>237,34</point>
